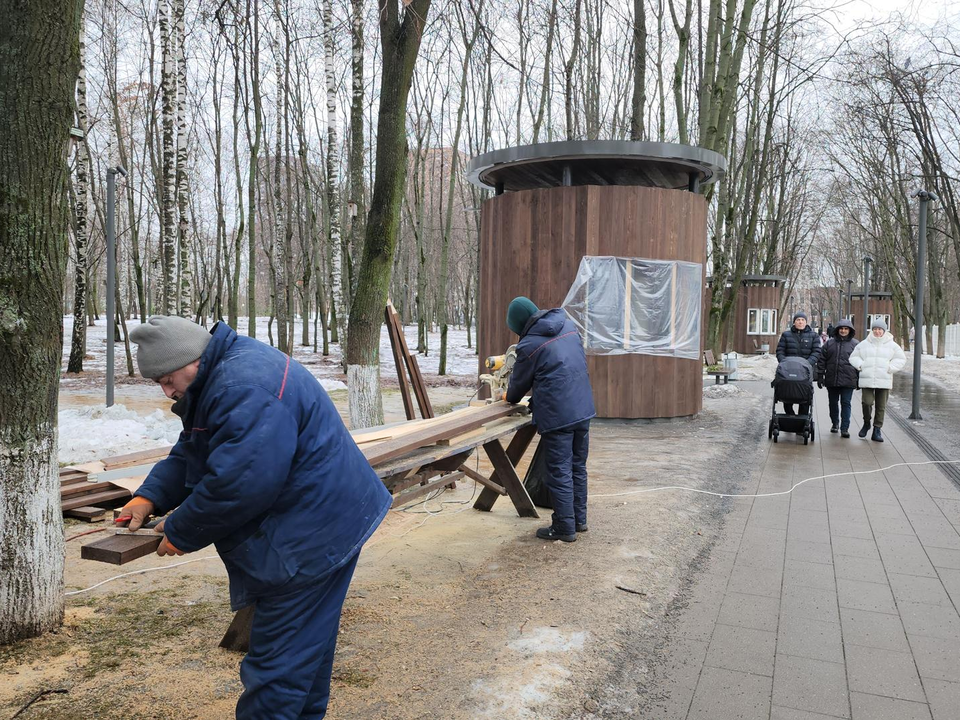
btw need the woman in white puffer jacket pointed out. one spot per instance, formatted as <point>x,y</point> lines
<point>877,358</point>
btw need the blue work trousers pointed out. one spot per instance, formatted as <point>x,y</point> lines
<point>286,674</point>
<point>566,453</point>
<point>840,406</point>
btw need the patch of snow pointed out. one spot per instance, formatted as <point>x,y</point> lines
<point>721,391</point>
<point>757,367</point>
<point>93,432</point>
<point>944,371</point>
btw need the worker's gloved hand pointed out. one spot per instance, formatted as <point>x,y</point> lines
<point>166,547</point>
<point>135,513</point>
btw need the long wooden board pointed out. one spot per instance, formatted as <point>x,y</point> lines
<point>121,549</point>
<point>141,457</point>
<point>381,452</point>
<point>94,498</point>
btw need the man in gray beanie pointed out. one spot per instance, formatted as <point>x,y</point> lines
<point>169,350</point>
<point>267,472</point>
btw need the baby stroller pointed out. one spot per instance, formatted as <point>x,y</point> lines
<point>793,383</point>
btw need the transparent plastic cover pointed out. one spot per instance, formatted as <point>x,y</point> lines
<point>628,306</point>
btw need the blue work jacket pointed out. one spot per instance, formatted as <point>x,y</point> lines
<point>551,361</point>
<point>265,470</point>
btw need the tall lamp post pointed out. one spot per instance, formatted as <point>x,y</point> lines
<point>925,198</point>
<point>849,298</point>
<point>840,314</point>
<point>867,261</point>
<point>111,272</point>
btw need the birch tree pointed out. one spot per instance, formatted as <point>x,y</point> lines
<point>337,242</point>
<point>184,289</point>
<point>78,340</point>
<point>168,228</point>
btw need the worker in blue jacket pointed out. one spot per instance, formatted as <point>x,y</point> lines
<point>551,362</point>
<point>266,471</point>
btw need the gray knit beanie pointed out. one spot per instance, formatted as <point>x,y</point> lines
<point>879,323</point>
<point>166,343</point>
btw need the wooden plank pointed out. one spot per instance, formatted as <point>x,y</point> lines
<point>422,478</point>
<point>87,512</point>
<point>487,483</point>
<point>121,549</point>
<point>506,473</point>
<point>515,450</point>
<point>435,484</point>
<point>237,637</point>
<point>136,458</point>
<point>395,341</point>
<point>100,497</point>
<point>81,480</point>
<point>381,452</point>
<point>461,438</point>
<point>84,488</point>
<point>431,454</point>
<point>413,367</point>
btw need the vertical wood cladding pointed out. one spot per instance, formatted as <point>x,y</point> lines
<point>761,297</point>
<point>531,243</point>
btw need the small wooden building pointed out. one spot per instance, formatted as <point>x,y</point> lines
<point>757,320</point>
<point>880,305</point>
<point>558,202</point>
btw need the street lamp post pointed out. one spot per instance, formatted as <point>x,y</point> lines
<point>867,260</point>
<point>111,272</point>
<point>925,198</point>
<point>840,314</point>
<point>849,298</point>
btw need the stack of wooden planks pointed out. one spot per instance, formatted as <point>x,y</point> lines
<point>84,496</point>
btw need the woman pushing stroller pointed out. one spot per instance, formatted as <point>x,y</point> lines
<point>877,358</point>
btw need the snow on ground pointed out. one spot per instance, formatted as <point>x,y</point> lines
<point>756,367</point>
<point>720,391</point>
<point>90,433</point>
<point>944,371</point>
<point>461,360</point>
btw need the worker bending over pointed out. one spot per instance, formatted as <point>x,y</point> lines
<point>266,471</point>
<point>551,362</point>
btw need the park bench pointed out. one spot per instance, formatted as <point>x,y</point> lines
<point>713,369</point>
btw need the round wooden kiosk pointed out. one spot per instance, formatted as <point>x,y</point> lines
<point>558,202</point>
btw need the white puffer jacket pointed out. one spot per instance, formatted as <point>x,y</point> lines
<point>877,359</point>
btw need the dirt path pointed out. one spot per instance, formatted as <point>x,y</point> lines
<point>457,615</point>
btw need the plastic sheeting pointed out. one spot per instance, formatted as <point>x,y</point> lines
<point>637,306</point>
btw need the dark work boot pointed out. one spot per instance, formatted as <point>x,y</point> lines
<point>547,533</point>
<point>864,430</point>
<point>876,437</point>
<point>581,527</point>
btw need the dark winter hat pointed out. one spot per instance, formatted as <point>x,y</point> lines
<point>800,314</point>
<point>519,312</point>
<point>878,323</point>
<point>166,343</point>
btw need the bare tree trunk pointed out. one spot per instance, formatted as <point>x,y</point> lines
<point>78,338</point>
<point>337,242</point>
<point>168,231</point>
<point>637,130</point>
<point>254,138</point>
<point>185,290</point>
<point>568,69</point>
<point>40,58</point>
<point>280,278</point>
<point>400,42</point>
<point>545,79</point>
<point>358,211</point>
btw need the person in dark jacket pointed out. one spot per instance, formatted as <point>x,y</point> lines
<point>799,341</point>
<point>840,377</point>
<point>551,362</point>
<point>266,471</point>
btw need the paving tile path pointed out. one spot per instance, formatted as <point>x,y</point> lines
<point>839,600</point>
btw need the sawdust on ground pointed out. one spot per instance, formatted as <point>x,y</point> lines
<point>453,613</point>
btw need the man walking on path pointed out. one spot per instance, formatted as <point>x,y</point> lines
<point>265,470</point>
<point>840,377</point>
<point>551,362</point>
<point>877,358</point>
<point>799,341</point>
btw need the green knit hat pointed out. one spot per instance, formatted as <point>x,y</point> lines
<point>519,312</point>
<point>167,343</point>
